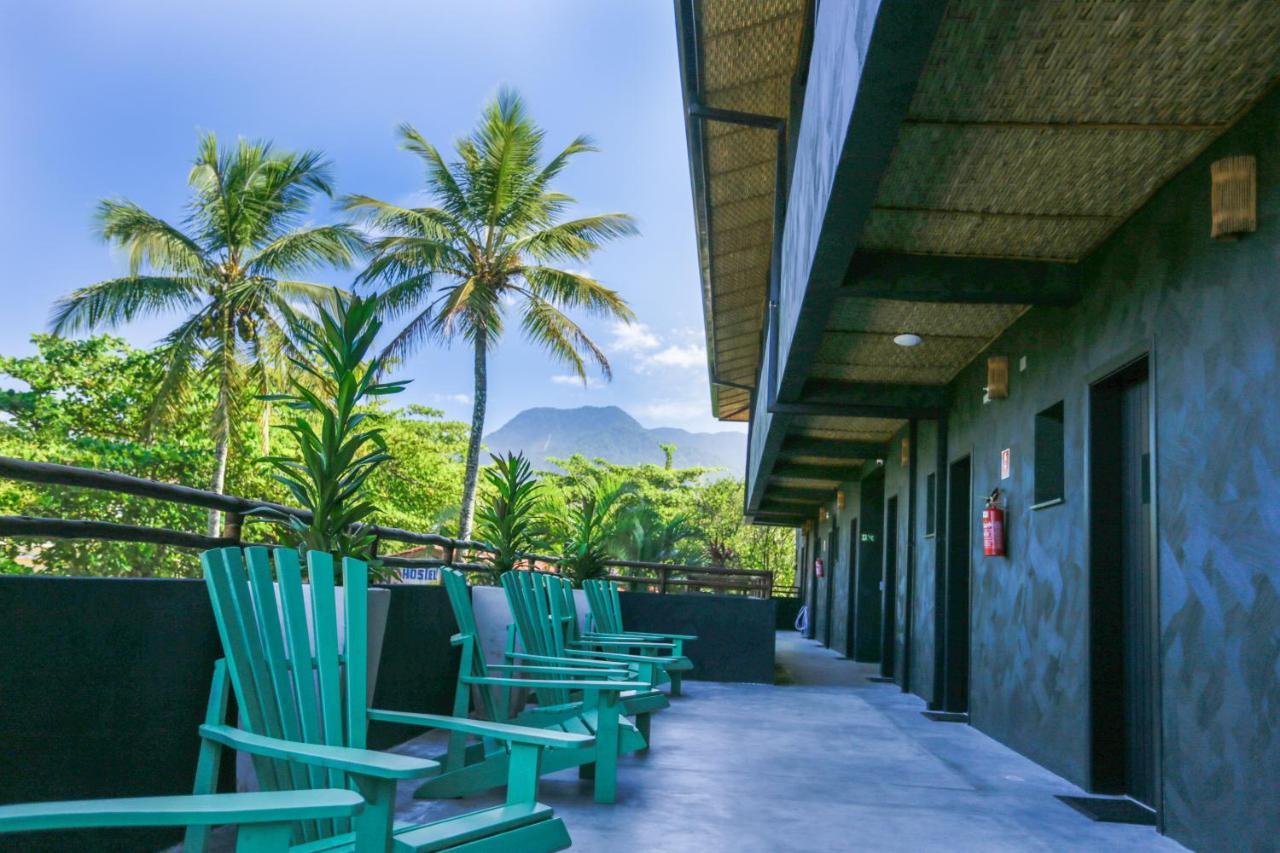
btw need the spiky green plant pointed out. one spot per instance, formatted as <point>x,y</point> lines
<point>230,269</point>
<point>644,535</point>
<point>495,236</point>
<point>337,449</point>
<point>587,522</point>
<point>511,519</point>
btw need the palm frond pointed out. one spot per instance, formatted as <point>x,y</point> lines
<point>307,248</point>
<point>181,353</point>
<point>574,290</point>
<point>576,239</point>
<point>544,324</point>
<point>119,300</point>
<point>150,241</point>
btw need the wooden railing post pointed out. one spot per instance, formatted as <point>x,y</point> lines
<point>663,574</point>
<point>232,526</point>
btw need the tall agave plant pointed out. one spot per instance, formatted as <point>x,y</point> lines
<point>511,520</point>
<point>337,449</point>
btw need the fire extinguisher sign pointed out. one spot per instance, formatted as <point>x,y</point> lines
<point>1006,463</point>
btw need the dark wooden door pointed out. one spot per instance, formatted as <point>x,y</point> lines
<point>1122,580</point>
<point>829,581</point>
<point>1138,590</point>
<point>851,603</point>
<point>960,521</point>
<point>889,590</point>
<point>869,545</point>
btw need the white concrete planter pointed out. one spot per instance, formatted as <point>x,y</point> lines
<point>379,604</point>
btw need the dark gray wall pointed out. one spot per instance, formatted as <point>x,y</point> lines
<point>104,682</point>
<point>841,572</point>
<point>735,633</point>
<point>1209,314</point>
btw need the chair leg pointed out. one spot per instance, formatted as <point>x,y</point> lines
<point>606,770</point>
<point>642,726</point>
<point>373,826</point>
<point>676,678</point>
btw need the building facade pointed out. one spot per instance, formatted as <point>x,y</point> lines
<point>1034,194</point>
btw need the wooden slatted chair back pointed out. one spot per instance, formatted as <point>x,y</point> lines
<point>468,638</point>
<point>606,610</point>
<point>291,676</point>
<point>527,596</point>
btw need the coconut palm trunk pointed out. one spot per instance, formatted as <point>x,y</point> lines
<point>221,451</point>
<point>477,433</point>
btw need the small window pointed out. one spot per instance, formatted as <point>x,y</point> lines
<point>1049,486</point>
<point>930,504</point>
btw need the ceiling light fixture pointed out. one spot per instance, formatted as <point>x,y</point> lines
<point>908,340</point>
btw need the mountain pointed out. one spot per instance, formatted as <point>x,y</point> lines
<point>610,433</point>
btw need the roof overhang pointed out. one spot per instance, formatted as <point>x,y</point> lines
<point>957,160</point>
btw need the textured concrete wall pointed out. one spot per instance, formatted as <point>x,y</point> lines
<point>1209,315</point>
<point>842,33</point>
<point>841,573</point>
<point>104,681</point>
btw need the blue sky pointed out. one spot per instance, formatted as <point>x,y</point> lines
<point>106,99</point>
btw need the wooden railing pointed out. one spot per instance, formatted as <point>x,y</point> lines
<point>456,553</point>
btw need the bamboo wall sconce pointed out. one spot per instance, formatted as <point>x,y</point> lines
<point>1234,197</point>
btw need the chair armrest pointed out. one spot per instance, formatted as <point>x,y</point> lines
<point>553,738</point>
<point>642,635</point>
<point>557,683</point>
<point>566,661</point>
<point>364,762</point>
<point>560,670</point>
<point>621,657</point>
<point>188,810</point>
<point>636,644</point>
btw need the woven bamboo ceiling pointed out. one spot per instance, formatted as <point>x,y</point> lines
<point>1037,128</point>
<point>748,52</point>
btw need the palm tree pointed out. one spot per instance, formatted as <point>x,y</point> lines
<point>229,268</point>
<point>497,237</point>
<point>643,534</point>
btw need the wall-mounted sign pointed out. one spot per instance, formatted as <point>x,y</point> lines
<point>420,574</point>
<point>818,568</point>
<point>1006,463</point>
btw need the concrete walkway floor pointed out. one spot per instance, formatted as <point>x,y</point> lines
<point>832,762</point>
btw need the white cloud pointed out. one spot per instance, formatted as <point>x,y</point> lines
<point>575,380</point>
<point>457,399</point>
<point>635,338</point>
<point>693,355</point>
<point>667,411</point>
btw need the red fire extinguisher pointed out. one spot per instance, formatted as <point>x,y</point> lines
<point>993,526</point>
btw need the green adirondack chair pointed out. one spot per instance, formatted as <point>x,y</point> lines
<point>304,714</point>
<point>605,621</point>
<point>544,620</point>
<point>266,819</point>
<point>667,654</point>
<point>575,698</point>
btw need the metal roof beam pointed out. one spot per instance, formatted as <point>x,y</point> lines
<point>834,473</point>
<point>832,448</point>
<point>933,278</point>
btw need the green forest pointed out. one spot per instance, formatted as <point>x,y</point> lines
<point>84,402</point>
